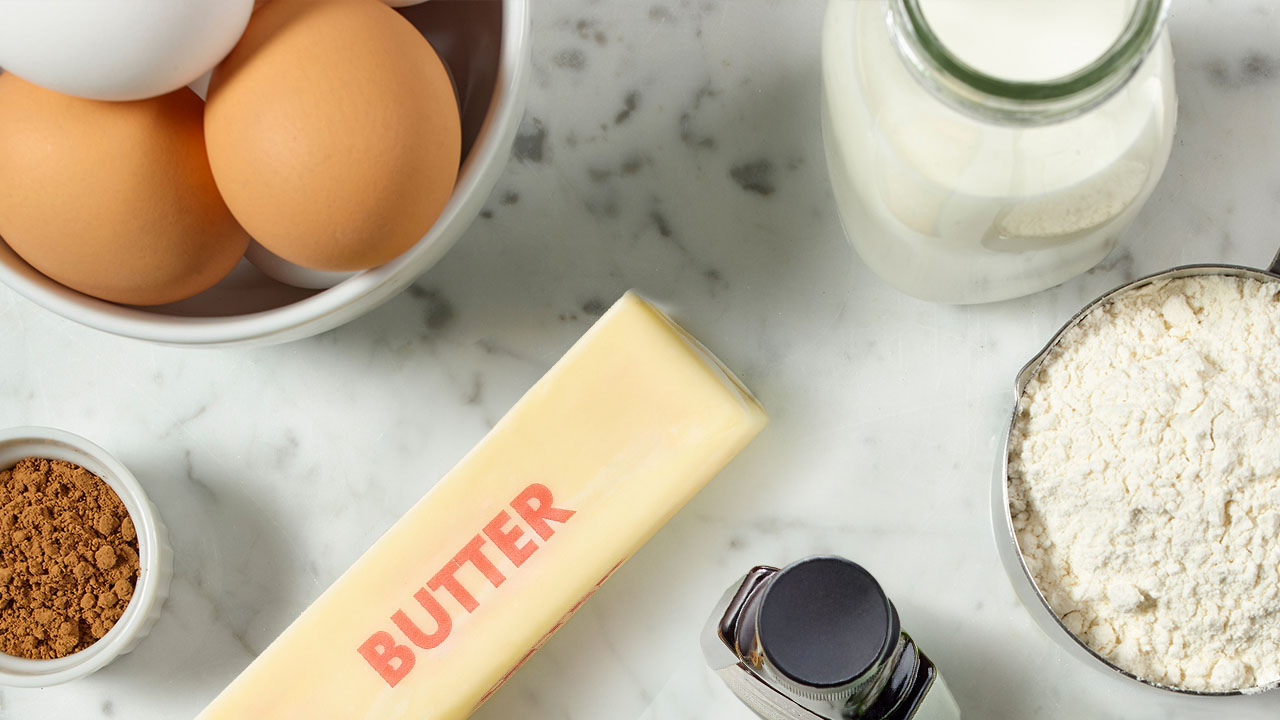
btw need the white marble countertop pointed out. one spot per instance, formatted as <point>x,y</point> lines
<point>671,146</point>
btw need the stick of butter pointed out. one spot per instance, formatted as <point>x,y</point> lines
<point>602,451</point>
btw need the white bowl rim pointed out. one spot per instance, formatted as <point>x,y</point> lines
<point>56,444</point>
<point>364,291</point>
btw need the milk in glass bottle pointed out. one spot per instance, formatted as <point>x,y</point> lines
<point>982,150</point>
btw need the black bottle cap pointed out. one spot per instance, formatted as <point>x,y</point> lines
<point>824,623</point>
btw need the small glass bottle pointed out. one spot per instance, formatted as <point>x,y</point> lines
<point>819,639</point>
<point>981,151</point>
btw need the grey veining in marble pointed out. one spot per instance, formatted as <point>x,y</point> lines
<point>671,146</point>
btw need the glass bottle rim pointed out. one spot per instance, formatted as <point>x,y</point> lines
<point>1018,102</point>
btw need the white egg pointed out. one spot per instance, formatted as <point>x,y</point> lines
<point>117,49</point>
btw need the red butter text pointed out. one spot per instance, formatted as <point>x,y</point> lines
<point>393,657</point>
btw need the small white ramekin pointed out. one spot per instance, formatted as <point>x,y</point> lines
<point>155,558</point>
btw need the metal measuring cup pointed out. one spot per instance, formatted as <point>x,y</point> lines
<point>1024,583</point>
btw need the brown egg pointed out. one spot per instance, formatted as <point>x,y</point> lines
<point>333,132</point>
<point>113,199</point>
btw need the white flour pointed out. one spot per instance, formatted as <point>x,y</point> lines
<point>1144,481</point>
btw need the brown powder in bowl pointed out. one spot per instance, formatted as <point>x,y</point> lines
<point>68,559</point>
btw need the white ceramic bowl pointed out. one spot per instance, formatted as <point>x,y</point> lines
<point>155,558</point>
<point>486,45</point>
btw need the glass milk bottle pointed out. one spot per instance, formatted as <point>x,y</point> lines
<point>981,150</point>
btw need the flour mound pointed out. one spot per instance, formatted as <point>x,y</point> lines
<point>1144,481</point>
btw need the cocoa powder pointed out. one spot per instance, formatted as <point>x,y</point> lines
<point>68,559</point>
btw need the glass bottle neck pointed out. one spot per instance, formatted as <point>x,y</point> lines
<point>1014,101</point>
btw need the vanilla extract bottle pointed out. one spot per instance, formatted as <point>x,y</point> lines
<point>819,640</point>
